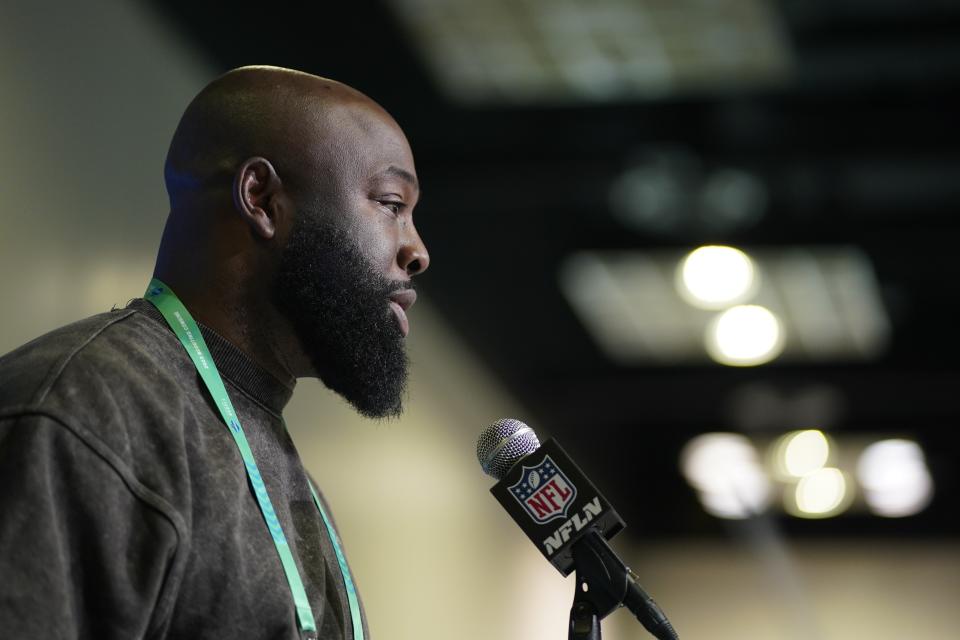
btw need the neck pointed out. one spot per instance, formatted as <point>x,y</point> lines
<point>245,318</point>
<point>224,281</point>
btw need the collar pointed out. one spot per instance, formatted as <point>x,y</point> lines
<point>232,363</point>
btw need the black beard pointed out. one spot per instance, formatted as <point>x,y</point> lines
<point>338,308</point>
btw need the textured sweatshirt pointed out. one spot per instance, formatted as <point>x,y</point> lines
<point>125,510</point>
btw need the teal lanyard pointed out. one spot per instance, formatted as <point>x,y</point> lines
<point>344,569</point>
<point>186,329</point>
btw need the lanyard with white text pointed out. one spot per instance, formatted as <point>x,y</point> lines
<point>186,329</point>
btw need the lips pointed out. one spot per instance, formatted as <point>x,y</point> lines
<point>400,301</point>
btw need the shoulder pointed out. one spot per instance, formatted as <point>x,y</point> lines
<point>79,360</point>
<point>120,384</point>
<point>119,381</point>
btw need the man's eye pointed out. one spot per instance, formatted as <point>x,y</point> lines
<point>394,206</point>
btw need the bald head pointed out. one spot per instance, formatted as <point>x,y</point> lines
<point>262,111</point>
<point>291,211</point>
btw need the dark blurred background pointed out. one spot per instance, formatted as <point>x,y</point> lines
<point>770,126</point>
<point>572,154</point>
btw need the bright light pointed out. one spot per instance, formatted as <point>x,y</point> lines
<point>820,494</point>
<point>707,460</point>
<point>895,478</point>
<point>745,336</point>
<point>714,277</point>
<point>801,452</point>
<point>725,468</point>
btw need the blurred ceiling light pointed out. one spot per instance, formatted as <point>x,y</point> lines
<point>708,459</point>
<point>668,191</point>
<point>895,479</point>
<point>820,494</point>
<point>725,469</point>
<point>732,198</point>
<point>745,336</point>
<point>827,300</point>
<point>714,277</point>
<point>655,195</point>
<point>524,51</point>
<point>801,452</point>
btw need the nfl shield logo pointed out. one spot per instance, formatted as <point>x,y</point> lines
<point>544,491</point>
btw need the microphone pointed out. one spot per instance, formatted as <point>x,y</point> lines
<point>569,521</point>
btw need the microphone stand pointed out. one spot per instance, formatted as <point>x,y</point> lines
<point>601,586</point>
<point>604,583</point>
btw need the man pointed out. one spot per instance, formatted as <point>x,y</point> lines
<point>129,507</point>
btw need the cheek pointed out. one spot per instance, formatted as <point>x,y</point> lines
<point>377,235</point>
<point>380,242</point>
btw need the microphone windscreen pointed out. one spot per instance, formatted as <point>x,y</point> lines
<point>502,444</point>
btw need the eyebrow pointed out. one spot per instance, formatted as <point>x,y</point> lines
<point>403,174</point>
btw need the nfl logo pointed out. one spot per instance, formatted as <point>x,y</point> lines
<point>544,491</point>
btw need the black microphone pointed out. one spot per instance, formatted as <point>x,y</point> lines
<point>568,520</point>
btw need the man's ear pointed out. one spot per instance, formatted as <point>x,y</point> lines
<point>255,189</point>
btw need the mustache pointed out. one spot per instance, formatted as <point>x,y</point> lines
<point>395,286</point>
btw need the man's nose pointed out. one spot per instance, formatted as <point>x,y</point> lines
<point>413,257</point>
